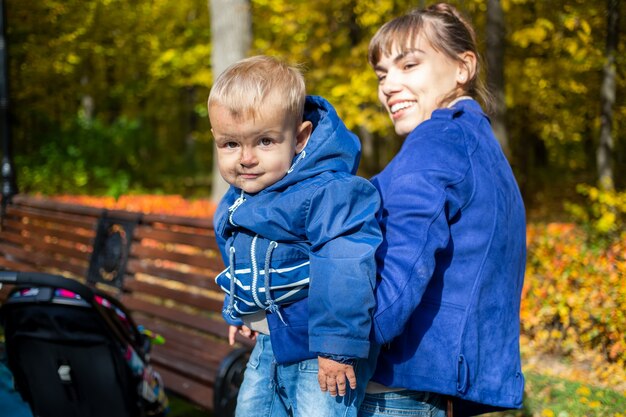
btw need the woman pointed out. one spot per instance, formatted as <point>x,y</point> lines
<point>452,262</point>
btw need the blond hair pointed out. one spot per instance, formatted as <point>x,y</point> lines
<point>447,31</point>
<point>259,81</point>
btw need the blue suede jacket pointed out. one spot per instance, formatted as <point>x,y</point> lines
<point>451,265</point>
<point>303,249</point>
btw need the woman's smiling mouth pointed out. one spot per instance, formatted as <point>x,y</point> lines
<point>396,107</point>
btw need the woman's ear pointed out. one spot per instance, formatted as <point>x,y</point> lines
<point>467,67</point>
<point>303,134</point>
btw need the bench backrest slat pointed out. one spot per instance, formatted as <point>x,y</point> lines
<point>146,252</point>
<point>195,278</point>
<point>62,248</point>
<point>55,219</point>
<point>36,260</point>
<point>70,235</point>
<point>169,235</point>
<point>210,326</point>
<point>186,297</point>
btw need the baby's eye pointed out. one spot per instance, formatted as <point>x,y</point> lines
<point>231,145</point>
<point>265,141</point>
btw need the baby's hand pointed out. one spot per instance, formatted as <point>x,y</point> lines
<point>332,376</point>
<point>243,330</point>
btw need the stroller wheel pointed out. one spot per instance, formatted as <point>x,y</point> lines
<point>228,381</point>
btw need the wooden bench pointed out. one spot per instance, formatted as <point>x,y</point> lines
<point>160,267</point>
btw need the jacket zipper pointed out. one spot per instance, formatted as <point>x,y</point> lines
<point>231,210</point>
<point>255,273</point>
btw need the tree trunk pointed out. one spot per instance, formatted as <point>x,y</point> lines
<point>87,102</point>
<point>9,187</point>
<point>231,32</point>
<point>495,70</point>
<point>607,99</point>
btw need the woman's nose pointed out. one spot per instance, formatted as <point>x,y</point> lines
<point>390,84</point>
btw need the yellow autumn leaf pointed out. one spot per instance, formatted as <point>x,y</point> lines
<point>585,26</point>
<point>570,22</point>
<point>606,222</point>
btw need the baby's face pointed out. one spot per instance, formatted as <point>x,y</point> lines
<point>255,152</point>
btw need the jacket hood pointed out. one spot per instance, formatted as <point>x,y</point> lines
<point>331,147</point>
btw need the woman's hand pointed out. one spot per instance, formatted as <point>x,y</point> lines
<point>332,376</point>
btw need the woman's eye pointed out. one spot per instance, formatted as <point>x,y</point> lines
<point>409,65</point>
<point>381,77</point>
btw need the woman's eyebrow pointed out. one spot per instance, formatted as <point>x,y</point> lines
<point>406,52</point>
<point>400,56</point>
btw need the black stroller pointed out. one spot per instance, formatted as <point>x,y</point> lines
<point>75,351</point>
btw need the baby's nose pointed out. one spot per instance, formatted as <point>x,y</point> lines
<point>248,157</point>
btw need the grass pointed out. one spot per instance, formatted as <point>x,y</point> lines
<point>554,397</point>
<point>550,396</point>
<point>179,407</point>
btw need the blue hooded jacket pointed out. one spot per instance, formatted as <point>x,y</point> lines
<point>11,401</point>
<point>451,265</point>
<point>310,238</point>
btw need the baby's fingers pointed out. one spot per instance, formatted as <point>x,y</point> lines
<point>331,383</point>
<point>341,386</point>
<point>351,377</point>
<point>321,379</point>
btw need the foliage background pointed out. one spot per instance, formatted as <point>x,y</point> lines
<point>108,96</point>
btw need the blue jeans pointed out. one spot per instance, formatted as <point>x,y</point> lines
<point>404,403</point>
<point>292,390</point>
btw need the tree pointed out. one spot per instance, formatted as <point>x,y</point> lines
<point>495,70</point>
<point>553,67</point>
<point>8,177</point>
<point>231,33</point>
<point>607,97</point>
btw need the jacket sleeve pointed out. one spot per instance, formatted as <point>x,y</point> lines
<point>344,234</point>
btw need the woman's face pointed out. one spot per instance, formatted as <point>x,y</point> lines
<point>414,80</point>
